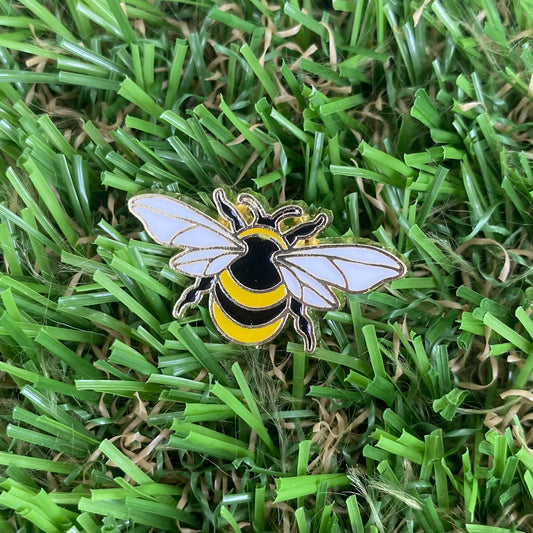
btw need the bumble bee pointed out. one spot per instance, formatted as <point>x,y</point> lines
<point>256,267</point>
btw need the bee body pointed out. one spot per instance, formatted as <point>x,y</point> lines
<point>249,302</point>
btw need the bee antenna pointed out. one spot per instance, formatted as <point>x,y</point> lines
<point>306,230</point>
<point>254,206</point>
<point>274,219</point>
<point>289,211</point>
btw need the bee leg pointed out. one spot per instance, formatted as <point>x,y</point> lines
<point>228,210</point>
<point>303,324</point>
<point>192,295</point>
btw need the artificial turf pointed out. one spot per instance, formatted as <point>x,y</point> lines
<point>411,122</point>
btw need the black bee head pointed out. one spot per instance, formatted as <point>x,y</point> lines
<point>271,220</point>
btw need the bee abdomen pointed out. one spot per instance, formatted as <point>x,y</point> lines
<point>251,299</point>
<point>246,325</point>
<point>248,316</point>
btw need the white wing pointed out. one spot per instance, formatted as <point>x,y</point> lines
<point>201,263</point>
<point>209,246</point>
<point>310,272</point>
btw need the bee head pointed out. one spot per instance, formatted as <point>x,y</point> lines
<point>272,220</point>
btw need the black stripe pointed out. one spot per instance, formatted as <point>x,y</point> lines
<point>246,316</point>
<point>256,270</point>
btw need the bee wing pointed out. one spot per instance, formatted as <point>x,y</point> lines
<point>201,263</point>
<point>309,273</point>
<point>209,246</point>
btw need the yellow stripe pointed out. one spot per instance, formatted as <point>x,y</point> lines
<point>253,300</point>
<point>266,232</point>
<point>244,335</point>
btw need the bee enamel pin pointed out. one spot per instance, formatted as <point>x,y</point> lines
<point>260,267</point>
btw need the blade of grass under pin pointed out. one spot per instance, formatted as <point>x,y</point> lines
<point>252,419</point>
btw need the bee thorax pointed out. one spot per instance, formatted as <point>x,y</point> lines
<point>255,270</point>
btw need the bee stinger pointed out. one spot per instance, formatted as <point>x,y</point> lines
<point>256,271</point>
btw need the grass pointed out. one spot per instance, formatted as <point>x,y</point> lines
<point>411,122</point>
